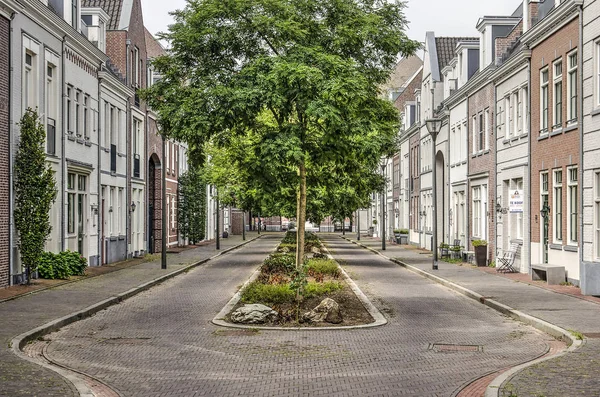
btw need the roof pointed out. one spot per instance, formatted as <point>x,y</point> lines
<point>153,47</point>
<point>119,11</point>
<point>404,70</point>
<point>445,47</point>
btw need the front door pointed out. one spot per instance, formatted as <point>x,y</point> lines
<point>546,220</point>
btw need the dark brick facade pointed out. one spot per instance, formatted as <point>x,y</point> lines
<point>481,158</point>
<point>559,147</point>
<point>4,152</point>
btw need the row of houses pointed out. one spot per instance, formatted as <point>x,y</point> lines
<point>518,155</point>
<point>80,64</point>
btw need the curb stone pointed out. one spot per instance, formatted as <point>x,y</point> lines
<point>18,342</point>
<point>373,311</point>
<point>493,389</point>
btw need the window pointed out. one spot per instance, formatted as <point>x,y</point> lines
<point>29,81</point>
<point>69,111</point>
<point>173,209</point>
<point>557,205</point>
<point>572,204</point>
<point>481,131</point>
<point>486,128</point>
<point>572,89</point>
<point>51,108</point>
<point>474,133</point>
<point>77,112</point>
<point>120,213</point>
<point>543,189</point>
<point>86,102</point>
<point>597,215</point>
<point>135,62</point>
<point>111,210</point>
<point>525,101</point>
<point>112,126</point>
<point>515,218</point>
<point>106,125</point>
<point>508,117</point>
<point>477,211</point>
<point>557,96</point>
<point>519,113</point>
<point>544,101</point>
<point>76,196</point>
<point>597,71</point>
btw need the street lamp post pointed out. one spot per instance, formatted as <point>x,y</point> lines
<point>358,225</point>
<point>434,126</point>
<point>382,211</point>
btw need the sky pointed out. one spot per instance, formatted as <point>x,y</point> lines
<point>444,17</point>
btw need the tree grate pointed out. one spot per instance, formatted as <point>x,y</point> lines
<point>451,348</point>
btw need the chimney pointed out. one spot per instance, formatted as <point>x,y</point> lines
<point>530,13</point>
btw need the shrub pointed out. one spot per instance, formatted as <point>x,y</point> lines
<point>62,265</point>
<point>403,231</point>
<point>286,247</point>
<point>268,294</point>
<point>322,266</point>
<point>279,263</point>
<point>479,243</point>
<point>320,289</point>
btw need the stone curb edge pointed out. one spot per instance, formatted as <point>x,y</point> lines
<point>17,343</point>
<point>373,311</point>
<point>493,389</point>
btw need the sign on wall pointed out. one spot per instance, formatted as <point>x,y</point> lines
<point>515,202</point>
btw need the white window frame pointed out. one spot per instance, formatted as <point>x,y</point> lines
<point>507,116</point>
<point>474,134</point>
<point>486,128</point>
<point>525,101</point>
<point>544,96</point>
<point>572,205</point>
<point>78,95</point>
<point>70,117</point>
<point>572,89</point>
<point>557,81</point>
<point>519,112</point>
<point>30,79</point>
<point>476,191</point>
<point>597,73</point>
<point>557,205</point>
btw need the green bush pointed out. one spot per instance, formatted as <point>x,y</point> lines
<point>62,265</point>
<point>290,247</point>
<point>479,243</point>
<point>323,266</point>
<point>279,263</point>
<point>320,289</point>
<point>268,294</point>
<point>403,231</point>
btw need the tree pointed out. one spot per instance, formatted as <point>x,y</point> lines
<point>191,210</point>
<point>298,77</point>
<point>35,191</point>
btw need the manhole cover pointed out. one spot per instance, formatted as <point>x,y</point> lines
<point>449,348</point>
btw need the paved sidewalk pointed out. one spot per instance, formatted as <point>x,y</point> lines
<point>576,373</point>
<point>19,377</point>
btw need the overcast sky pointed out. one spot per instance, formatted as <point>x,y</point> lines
<point>444,17</point>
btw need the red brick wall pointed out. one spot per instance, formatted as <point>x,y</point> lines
<point>408,94</point>
<point>4,153</point>
<point>560,150</point>
<point>116,49</point>
<point>478,103</point>
<point>502,43</point>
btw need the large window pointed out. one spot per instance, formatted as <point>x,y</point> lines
<point>76,199</point>
<point>474,134</point>
<point>508,116</point>
<point>572,88</point>
<point>486,128</point>
<point>557,95</point>
<point>77,113</point>
<point>86,116</point>
<point>544,101</point>
<point>525,101</point>
<point>597,72</point>
<point>572,204</point>
<point>477,211</point>
<point>51,107</point>
<point>516,218</point>
<point>557,224</point>
<point>70,128</point>
<point>481,132</point>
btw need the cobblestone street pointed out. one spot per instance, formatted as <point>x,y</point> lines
<point>161,342</point>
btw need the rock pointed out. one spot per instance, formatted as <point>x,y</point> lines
<point>254,314</point>
<point>328,310</point>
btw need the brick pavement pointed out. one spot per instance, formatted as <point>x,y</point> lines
<point>575,373</point>
<point>21,378</point>
<point>162,343</point>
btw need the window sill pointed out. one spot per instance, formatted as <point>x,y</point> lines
<point>542,137</point>
<point>557,131</point>
<point>121,154</point>
<point>107,150</point>
<point>571,248</point>
<point>557,247</point>
<point>88,143</point>
<point>71,137</point>
<point>571,128</point>
<point>595,112</point>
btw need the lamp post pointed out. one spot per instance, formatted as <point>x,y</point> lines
<point>434,126</point>
<point>383,164</point>
<point>358,225</point>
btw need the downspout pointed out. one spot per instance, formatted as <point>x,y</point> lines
<point>128,157</point>
<point>99,204</point>
<point>582,274</point>
<point>494,131</point>
<point>63,157</point>
<point>10,157</point>
<point>529,95</point>
<point>467,182</point>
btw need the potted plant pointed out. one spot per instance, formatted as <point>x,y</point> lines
<point>480,247</point>
<point>402,236</point>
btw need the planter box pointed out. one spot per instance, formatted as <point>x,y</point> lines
<point>402,239</point>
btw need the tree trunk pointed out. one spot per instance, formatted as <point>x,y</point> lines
<point>301,215</point>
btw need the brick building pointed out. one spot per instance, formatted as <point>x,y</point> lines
<point>554,152</point>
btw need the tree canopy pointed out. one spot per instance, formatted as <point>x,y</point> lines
<point>291,88</point>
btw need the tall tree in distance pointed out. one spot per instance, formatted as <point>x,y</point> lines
<point>35,190</point>
<point>301,76</point>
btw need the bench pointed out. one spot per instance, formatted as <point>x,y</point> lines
<point>553,274</point>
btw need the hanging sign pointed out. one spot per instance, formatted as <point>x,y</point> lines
<point>515,202</point>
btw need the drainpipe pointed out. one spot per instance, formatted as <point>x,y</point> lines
<point>129,166</point>
<point>529,165</point>
<point>468,183</point>
<point>493,209</point>
<point>582,274</point>
<point>99,203</point>
<point>10,158</point>
<point>63,157</point>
